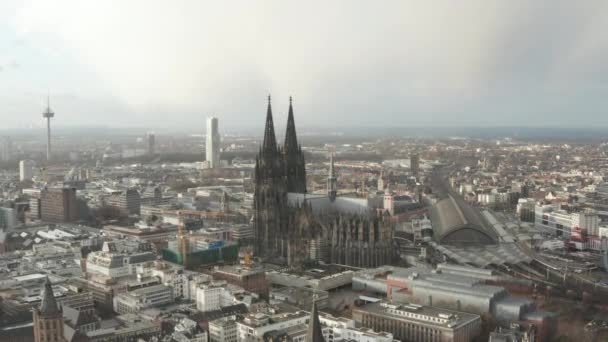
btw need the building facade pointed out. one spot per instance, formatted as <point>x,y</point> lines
<point>59,205</point>
<point>137,300</point>
<point>129,201</point>
<point>26,170</point>
<point>410,322</point>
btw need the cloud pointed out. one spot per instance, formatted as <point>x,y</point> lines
<point>461,62</point>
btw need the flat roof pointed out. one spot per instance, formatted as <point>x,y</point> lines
<point>32,276</point>
<point>425,314</point>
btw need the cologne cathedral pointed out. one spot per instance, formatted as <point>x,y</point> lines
<point>292,226</point>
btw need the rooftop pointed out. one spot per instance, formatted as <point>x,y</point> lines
<point>455,222</point>
<point>427,314</point>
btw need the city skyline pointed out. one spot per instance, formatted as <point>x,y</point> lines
<point>525,64</point>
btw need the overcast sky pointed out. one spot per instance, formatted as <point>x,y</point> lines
<point>393,63</point>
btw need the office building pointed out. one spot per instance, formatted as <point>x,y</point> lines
<point>128,201</point>
<point>8,218</point>
<point>338,329</point>
<point>212,155</point>
<point>26,170</point>
<point>140,299</point>
<point>415,164</point>
<point>214,296</point>
<point>115,263</point>
<point>525,209</point>
<point>34,212</point>
<point>252,279</point>
<point>411,322</point>
<point>194,252</point>
<point>151,140</point>
<point>553,220</point>
<point>256,326</point>
<point>59,205</point>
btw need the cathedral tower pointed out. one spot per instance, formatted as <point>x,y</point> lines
<point>295,167</point>
<point>270,195</point>
<point>48,318</point>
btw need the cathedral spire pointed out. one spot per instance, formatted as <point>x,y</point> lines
<point>291,139</point>
<point>270,143</point>
<point>295,167</point>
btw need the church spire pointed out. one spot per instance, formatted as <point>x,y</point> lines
<point>291,140</point>
<point>48,305</point>
<point>315,332</point>
<point>270,143</point>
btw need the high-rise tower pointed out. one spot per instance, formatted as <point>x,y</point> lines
<point>151,137</point>
<point>48,318</point>
<point>48,114</point>
<point>415,164</point>
<point>295,166</point>
<point>212,155</point>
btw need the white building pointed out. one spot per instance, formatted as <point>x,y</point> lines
<point>254,326</point>
<point>587,220</point>
<point>336,329</point>
<point>552,220</point>
<point>223,330</point>
<point>26,170</point>
<point>117,264</point>
<point>212,154</point>
<point>137,300</point>
<point>169,274</point>
<point>216,295</point>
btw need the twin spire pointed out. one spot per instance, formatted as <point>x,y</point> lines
<point>286,161</point>
<point>291,140</point>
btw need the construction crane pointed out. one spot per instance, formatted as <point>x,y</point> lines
<point>183,240</point>
<point>248,256</point>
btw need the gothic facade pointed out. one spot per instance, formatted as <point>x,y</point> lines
<point>292,226</point>
<point>278,170</point>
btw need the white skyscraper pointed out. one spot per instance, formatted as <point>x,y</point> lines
<point>213,143</point>
<point>26,170</point>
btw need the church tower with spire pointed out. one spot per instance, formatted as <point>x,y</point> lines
<point>48,318</point>
<point>295,166</point>
<point>270,194</point>
<point>315,330</point>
